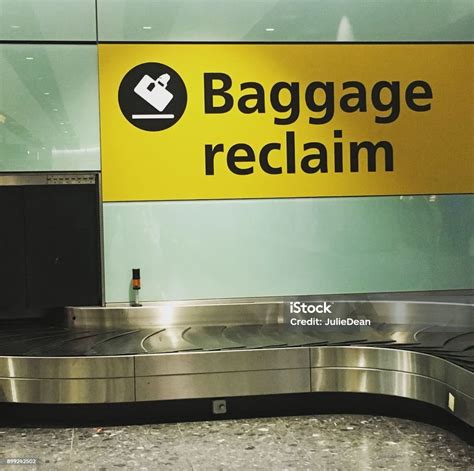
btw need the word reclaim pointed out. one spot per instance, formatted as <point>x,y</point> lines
<point>320,99</point>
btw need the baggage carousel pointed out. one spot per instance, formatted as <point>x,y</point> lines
<point>187,350</point>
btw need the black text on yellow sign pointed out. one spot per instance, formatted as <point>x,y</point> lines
<point>263,121</point>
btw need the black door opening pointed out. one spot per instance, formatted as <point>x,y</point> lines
<point>50,250</point>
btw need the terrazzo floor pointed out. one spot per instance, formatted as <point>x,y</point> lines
<point>322,442</point>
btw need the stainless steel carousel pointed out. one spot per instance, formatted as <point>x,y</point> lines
<point>218,349</point>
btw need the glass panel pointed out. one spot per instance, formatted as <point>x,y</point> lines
<point>218,249</point>
<point>48,20</point>
<point>285,20</point>
<point>49,112</point>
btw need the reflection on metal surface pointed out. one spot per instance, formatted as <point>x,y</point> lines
<point>393,383</point>
<point>242,383</point>
<point>23,180</point>
<point>30,179</point>
<point>212,349</point>
<point>396,360</point>
<point>241,311</point>
<point>67,391</point>
<point>176,313</point>
<point>66,367</point>
<point>215,362</point>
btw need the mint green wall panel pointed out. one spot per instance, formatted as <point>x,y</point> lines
<point>217,249</point>
<point>48,20</point>
<point>49,108</point>
<point>285,20</point>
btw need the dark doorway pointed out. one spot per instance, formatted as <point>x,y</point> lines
<point>50,251</point>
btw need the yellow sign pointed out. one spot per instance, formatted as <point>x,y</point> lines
<point>217,121</point>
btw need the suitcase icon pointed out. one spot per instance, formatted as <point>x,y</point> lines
<point>154,92</point>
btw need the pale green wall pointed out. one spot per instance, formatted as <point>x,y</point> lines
<point>49,114</point>
<point>207,249</point>
<point>48,20</point>
<point>213,249</point>
<point>288,20</point>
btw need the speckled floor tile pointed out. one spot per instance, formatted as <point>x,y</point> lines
<point>335,442</point>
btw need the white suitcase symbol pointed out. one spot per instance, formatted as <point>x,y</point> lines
<point>154,92</point>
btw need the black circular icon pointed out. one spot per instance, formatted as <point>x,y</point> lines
<point>152,96</point>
